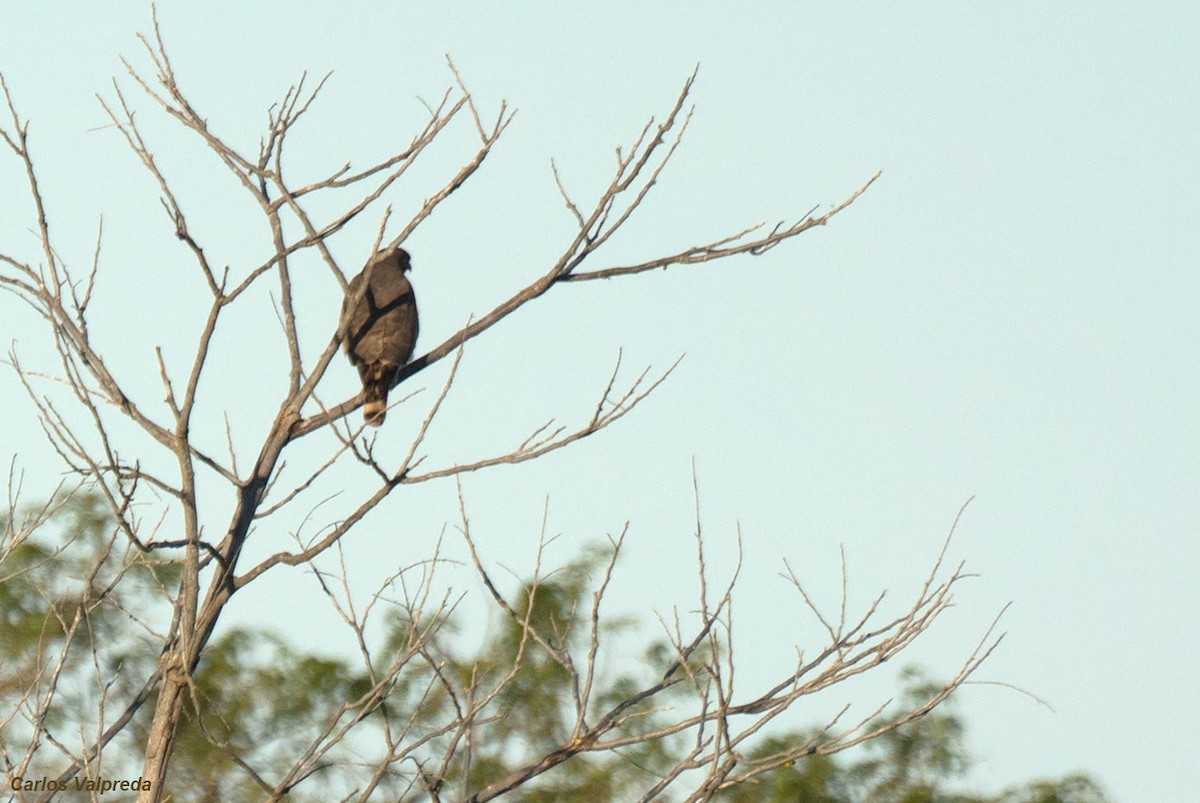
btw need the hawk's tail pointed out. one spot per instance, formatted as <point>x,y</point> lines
<point>375,406</point>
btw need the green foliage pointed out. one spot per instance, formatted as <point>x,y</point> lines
<point>73,597</point>
<point>913,763</point>
<point>1076,788</point>
<point>72,594</point>
<point>261,700</point>
<point>535,710</point>
<point>814,779</point>
<point>910,763</point>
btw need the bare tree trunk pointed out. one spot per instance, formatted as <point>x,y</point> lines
<point>182,657</point>
<point>167,711</point>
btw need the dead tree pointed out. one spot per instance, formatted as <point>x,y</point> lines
<point>86,431</point>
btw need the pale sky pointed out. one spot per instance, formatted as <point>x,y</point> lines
<point>1009,313</point>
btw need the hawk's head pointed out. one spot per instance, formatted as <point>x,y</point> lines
<point>397,256</point>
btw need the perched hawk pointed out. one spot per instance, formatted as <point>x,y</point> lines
<point>381,329</point>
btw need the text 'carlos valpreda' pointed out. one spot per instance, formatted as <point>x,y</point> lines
<point>99,785</point>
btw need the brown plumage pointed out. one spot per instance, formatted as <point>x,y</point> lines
<point>381,330</point>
